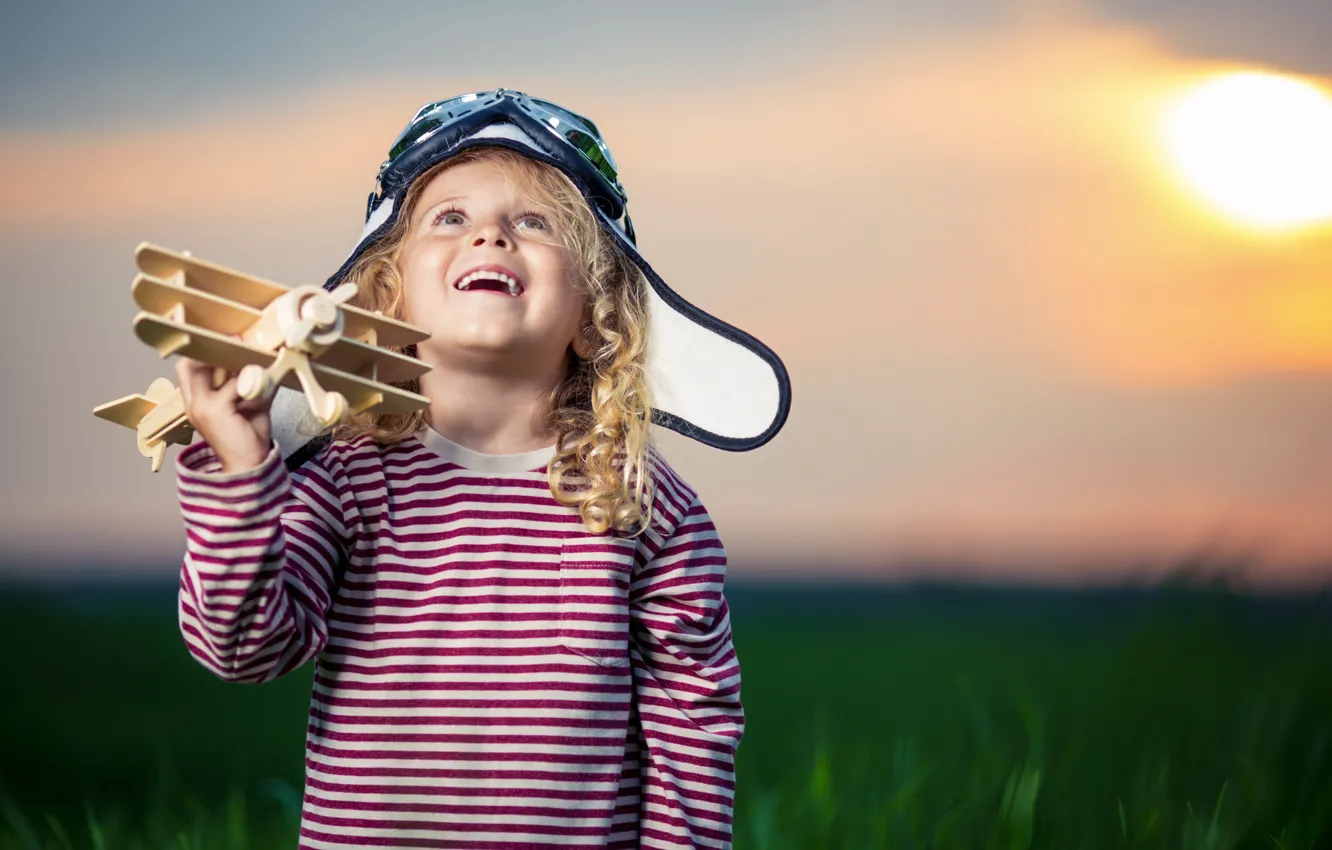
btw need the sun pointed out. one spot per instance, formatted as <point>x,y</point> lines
<point>1258,146</point>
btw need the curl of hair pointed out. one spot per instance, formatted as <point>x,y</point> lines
<point>601,411</point>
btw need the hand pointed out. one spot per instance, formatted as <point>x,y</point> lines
<point>239,432</point>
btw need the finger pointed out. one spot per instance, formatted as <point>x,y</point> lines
<point>252,407</point>
<point>197,381</point>
<point>201,380</point>
<point>218,378</point>
<point>184,380</point>
<point>190,366</point>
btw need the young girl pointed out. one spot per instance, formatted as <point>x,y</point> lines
<point>515,606</point>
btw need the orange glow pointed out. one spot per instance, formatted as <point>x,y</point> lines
<point>973,254</point>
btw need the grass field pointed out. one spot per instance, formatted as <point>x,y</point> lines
<point>928,718</point>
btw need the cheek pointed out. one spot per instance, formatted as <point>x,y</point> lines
<point>559,271</point>
<point>430,254</point>
<point>570,298</point>
<point>418,263</point>
<point>548,259</point>
<point>424,268</point>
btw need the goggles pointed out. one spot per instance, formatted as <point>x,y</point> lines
<point>567,137</point>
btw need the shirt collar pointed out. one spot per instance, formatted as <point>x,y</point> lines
<point>480,461</point>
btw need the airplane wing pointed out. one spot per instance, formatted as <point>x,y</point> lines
<point>233,354</point>
<point>257,293</point>
<point>202,309</point>
<point>199,343</point>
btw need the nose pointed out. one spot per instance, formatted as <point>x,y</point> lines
<point>490,232</point>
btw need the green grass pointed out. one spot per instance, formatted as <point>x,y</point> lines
<point>1181,719</point>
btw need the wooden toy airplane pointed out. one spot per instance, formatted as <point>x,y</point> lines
<point>304,338</point>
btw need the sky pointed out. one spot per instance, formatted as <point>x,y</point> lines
<point>1021,348</point>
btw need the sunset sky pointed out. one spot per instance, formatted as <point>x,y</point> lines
<point>1021,343</point>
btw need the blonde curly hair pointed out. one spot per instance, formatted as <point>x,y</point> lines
<point>601,410</point>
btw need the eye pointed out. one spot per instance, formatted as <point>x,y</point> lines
<point>449,215</point>
<point>534,219</point>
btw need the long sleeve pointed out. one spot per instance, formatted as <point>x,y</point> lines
<point>261,550</point>
<point>687,687</point>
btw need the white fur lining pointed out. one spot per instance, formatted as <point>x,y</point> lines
<point>505,130</point>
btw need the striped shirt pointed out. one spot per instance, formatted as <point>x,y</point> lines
<point>488,673</point>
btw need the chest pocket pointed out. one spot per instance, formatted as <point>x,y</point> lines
<point>594,597</point>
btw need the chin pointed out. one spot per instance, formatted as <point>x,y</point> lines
<point>483,342</point>
<point>470,349</point>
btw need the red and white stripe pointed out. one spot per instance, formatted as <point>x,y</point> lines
<point>489,674</point>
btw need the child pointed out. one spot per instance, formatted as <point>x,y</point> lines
<point>515,606</point>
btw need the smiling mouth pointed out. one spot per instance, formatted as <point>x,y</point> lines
<point>487,281</point>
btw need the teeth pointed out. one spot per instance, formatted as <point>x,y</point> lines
<point>466,282</point>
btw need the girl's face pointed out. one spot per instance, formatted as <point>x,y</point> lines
<point>487,276</point>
